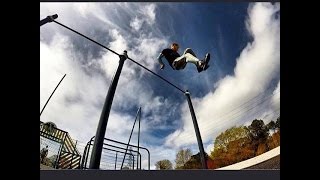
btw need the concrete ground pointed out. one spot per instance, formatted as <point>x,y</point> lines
<point>273,163</point>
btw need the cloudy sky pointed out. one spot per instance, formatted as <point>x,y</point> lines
<point>243,82</point>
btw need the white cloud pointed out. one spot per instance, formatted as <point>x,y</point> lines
<point>145,14</point>
<point>160,153</point>
<point>77,103</point>
<point>136,23</point>
<point>149,12</point>
<point>110,61</point>
<point>87,93</point>
<point>276,97</point>
<point>209,149</point>
<point>74,104</point>
<point>256,66</point>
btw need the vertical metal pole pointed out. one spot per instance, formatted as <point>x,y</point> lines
<point>148,159</point>
<point>196,128</point>
<point>75,146</point>
<point>52,94</point>
<point>102,126</point>
<point>140,160</point>
<point>83,156</point>
<point>87,155</point>
<point>133,161</point>
<point>138,140</point>
<point>138,114</point>
<point>115,163</point>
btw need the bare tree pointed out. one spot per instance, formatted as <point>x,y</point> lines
<point>182,157</point>
<point>163,165</point>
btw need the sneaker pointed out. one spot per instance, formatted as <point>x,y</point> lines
<point>206,61</point>
<point>206,67</point>
<point>200,67</point>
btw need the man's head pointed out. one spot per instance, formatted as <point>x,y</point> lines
<point>175,46</point>
<point>47,146</point>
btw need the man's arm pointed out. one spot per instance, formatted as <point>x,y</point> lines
<point>160,60</point>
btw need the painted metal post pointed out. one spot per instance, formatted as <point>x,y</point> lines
<point>115,163</point>
<point>102,126</point>
<point>196,128</point>
<point>139,141</point>
<point>48,19</point>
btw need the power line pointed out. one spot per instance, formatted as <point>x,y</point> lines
<point>209,125</point>
<point>231,118</point>
<point>237,107</point>
<point>254,99</point>
<point>207,128</point>
<point>249,109</point>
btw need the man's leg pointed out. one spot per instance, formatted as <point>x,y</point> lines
<point>182,61</point>
<point>200,64</point>
<point>191,58</point>
<point>189,50</point>
<point>179,63</point>
<point>187,56</point>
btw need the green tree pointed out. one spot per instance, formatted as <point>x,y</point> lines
<point>274,140</point>
<point>182,157</point>
<point>259,133</point>
<point>49,127</point>
<point>125,168</point>
<point>278,123</point>
<point>271,126</point>
<point>195,162</point>
<point>221,142</point>
<point>163,165</point>
<point>258,130</point>
<point>240,143</point>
